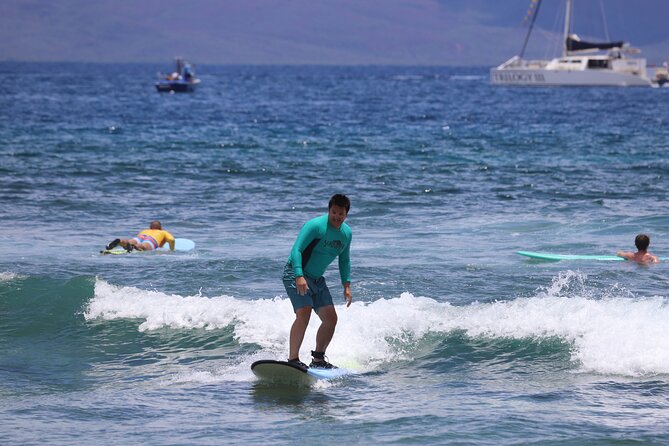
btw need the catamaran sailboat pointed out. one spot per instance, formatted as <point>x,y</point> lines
<point>581,64</point>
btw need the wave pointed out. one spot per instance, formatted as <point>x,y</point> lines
<point>466,77</point>
<point>36,305</point>
<point>615,334</point>
<point>7,276</point>
<point>568,325</point>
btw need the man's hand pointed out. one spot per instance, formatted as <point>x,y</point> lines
<point>347,294</point>
<point>301,285</point>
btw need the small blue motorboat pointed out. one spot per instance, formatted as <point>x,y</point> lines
<point>181,80</point>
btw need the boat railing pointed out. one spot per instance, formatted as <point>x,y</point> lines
<point>517,63</point>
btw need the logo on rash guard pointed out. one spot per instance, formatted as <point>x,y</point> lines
<point>336,244</point>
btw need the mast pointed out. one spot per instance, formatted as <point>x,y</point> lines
<point>567,19</point>
<point>529,30</point>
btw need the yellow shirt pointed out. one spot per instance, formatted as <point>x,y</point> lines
<point>161,236</point>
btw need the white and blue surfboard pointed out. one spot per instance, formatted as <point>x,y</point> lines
<point>180,245</point>
<point>284,372</point>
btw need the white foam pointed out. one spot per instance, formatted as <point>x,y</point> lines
<point>466,77</point>
<point>7,276</point>
<point>612,334</point>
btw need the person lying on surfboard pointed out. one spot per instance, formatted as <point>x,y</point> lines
<point>147,240</point>
<point>318,243</point>
<point>642,255</point>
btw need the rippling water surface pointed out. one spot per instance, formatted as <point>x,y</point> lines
<point>457,339</point>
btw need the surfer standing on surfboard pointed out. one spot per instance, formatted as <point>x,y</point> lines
<point>642,255</point>
<point>147,240</point>
<point>320,241</point>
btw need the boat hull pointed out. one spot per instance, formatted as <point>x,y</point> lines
<point>588,78</point>
<point>176,87</point>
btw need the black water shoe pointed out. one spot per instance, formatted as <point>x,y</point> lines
<point>321,364</point>
<point>113,244</point>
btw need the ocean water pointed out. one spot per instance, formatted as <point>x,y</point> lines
<point>457,340</point>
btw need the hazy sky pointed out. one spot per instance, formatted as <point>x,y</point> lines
<point>415,32</point>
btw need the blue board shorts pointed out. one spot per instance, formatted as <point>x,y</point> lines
<point>317,297</point>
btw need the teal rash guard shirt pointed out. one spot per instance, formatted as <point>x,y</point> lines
<point>317,245</point>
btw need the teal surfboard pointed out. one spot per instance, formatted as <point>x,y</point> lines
<point>283,372</point>
<point>180,245</point>
<point>557,257</point>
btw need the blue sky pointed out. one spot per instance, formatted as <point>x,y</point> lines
<point>404,32</point>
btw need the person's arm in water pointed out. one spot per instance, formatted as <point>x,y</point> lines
<point>169,238</point>
<point>625,255</point>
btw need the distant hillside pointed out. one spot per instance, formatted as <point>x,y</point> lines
<point>420,32</point>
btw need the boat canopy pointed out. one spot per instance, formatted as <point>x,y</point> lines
<point>574,43</point>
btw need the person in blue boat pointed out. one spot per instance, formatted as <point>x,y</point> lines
<point>642,255</point>
<point>319,242</point>
<point>149,239</point>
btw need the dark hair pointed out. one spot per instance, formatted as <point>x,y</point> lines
<point>340,200</point>
<point>155,224</point>
<point>642,241</point>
